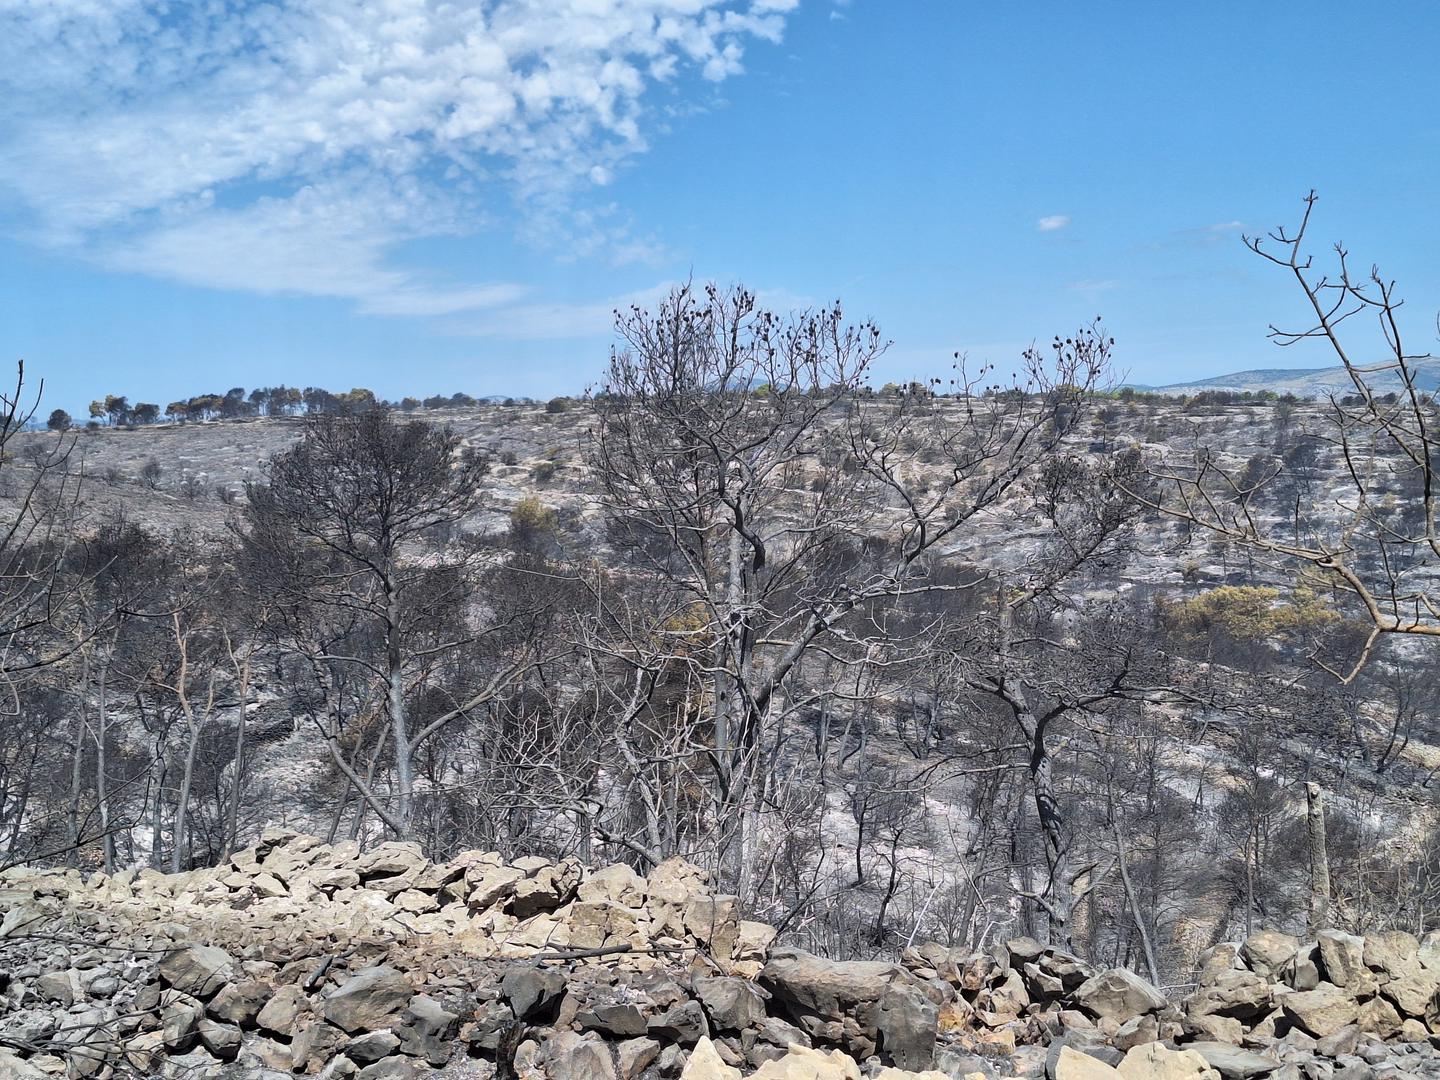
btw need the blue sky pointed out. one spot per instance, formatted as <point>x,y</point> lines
<point>421,197</point>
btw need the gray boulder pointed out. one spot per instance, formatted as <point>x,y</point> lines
<point>392,1068</point>
<point>282,1012</point>
<point>369,999</point>
<point>219,1040</point>
<point>1266,952</point>
<point>1234,1062</point>
<point>240,1002</point>
<point>1322,1011</point>
<point>198,970</point>
<point>1344,958</point>
<point>179,1019</point>
<point>685,1024</point>
<point>733,1004</point>
<point>905,1023</point>
<point>372,1046</point>
<point>828,988</point>
<point>620,1020</point>
<point>427,1029</point>
<point>1118,995</point>
<point>532,992</point>
<point>568,1056</point>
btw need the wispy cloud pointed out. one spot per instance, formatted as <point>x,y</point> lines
<point>1200,236</point>
<point>553,320</point>
<point>580,319</point>
<point>1093,285</point>
<point>1053,222</point>
<point>292,147</point>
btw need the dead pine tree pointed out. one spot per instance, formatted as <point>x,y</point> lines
<point>1319,906</point>
<point>746,450</point>
<point>1377,560</point>
<point>341,525</point>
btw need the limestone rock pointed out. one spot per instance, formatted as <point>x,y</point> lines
<point>568,1056</point>
<point>1303,970</point>
<point>198,970</point>
<point>179,1020</point>
<point>1154,1061</point>
<point>1233,1062</point>
<point>617,884</point>
<point>733,1004</point>
<point>828,988</point>
<point>314,1044</point>
<point>1135,1031</point>
<point>14,1068</point>
<point>532,992</point>
<point>753,941</point>
<point>1378,1017</point>
<point>1216,961</point>
<point>1322,1011</point>
<point>1118,994</point>
<point>219,1040</point>
<point>1241,995</point>
<point>1428,955</point>
<point>549,887</point>
<point>426,1029</point>
<point>905,1022</point>
<point>1266,952</point>
<point>634,1056</point>
<point>372,1046</point>
<point>23,917</point>
<point>685,1024</point>
<point>393,858</point>
<point>621,1020</point>
<point>1071,1064</point>
<point>240,1002</point>
<point>594,924</point>
<point>1340,1043</point>
<point>367,1000</point>
<point>392,1068</point>
<point>490,885</point>
<point>800,1063</point>
<point>281,1013</point>
<point>705,1063</point>
<point>1413,994</point>
<point>1394,953</point>
<point>1344,958</point>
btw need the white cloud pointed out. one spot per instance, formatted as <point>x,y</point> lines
<point>292,146</point>
<point>1053,222</point>
<point>1093,285</point>
<point>588,318</point>
<point>554,321</point>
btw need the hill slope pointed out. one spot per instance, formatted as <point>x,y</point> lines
<point>1302,382</point>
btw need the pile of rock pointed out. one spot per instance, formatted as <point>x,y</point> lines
<point>1270,1005</point>
<point>298,957</point>
<point>291,891</point>
<point>1384,984</point>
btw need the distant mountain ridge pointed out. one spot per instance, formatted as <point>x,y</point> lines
<point>1302,382</point>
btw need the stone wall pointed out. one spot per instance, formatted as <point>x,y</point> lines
<point>303,958</point>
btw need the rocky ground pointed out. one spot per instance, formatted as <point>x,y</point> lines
<point>299,957</point>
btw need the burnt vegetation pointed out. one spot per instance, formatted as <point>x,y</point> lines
<point>952,660</point>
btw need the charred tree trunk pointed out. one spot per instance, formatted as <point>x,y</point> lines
<point>1319,915</point>
<point>395,699</point>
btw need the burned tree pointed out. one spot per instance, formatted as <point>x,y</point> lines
<point>740,452</point>
<point>339,527</point>
<point>1381,431</point>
